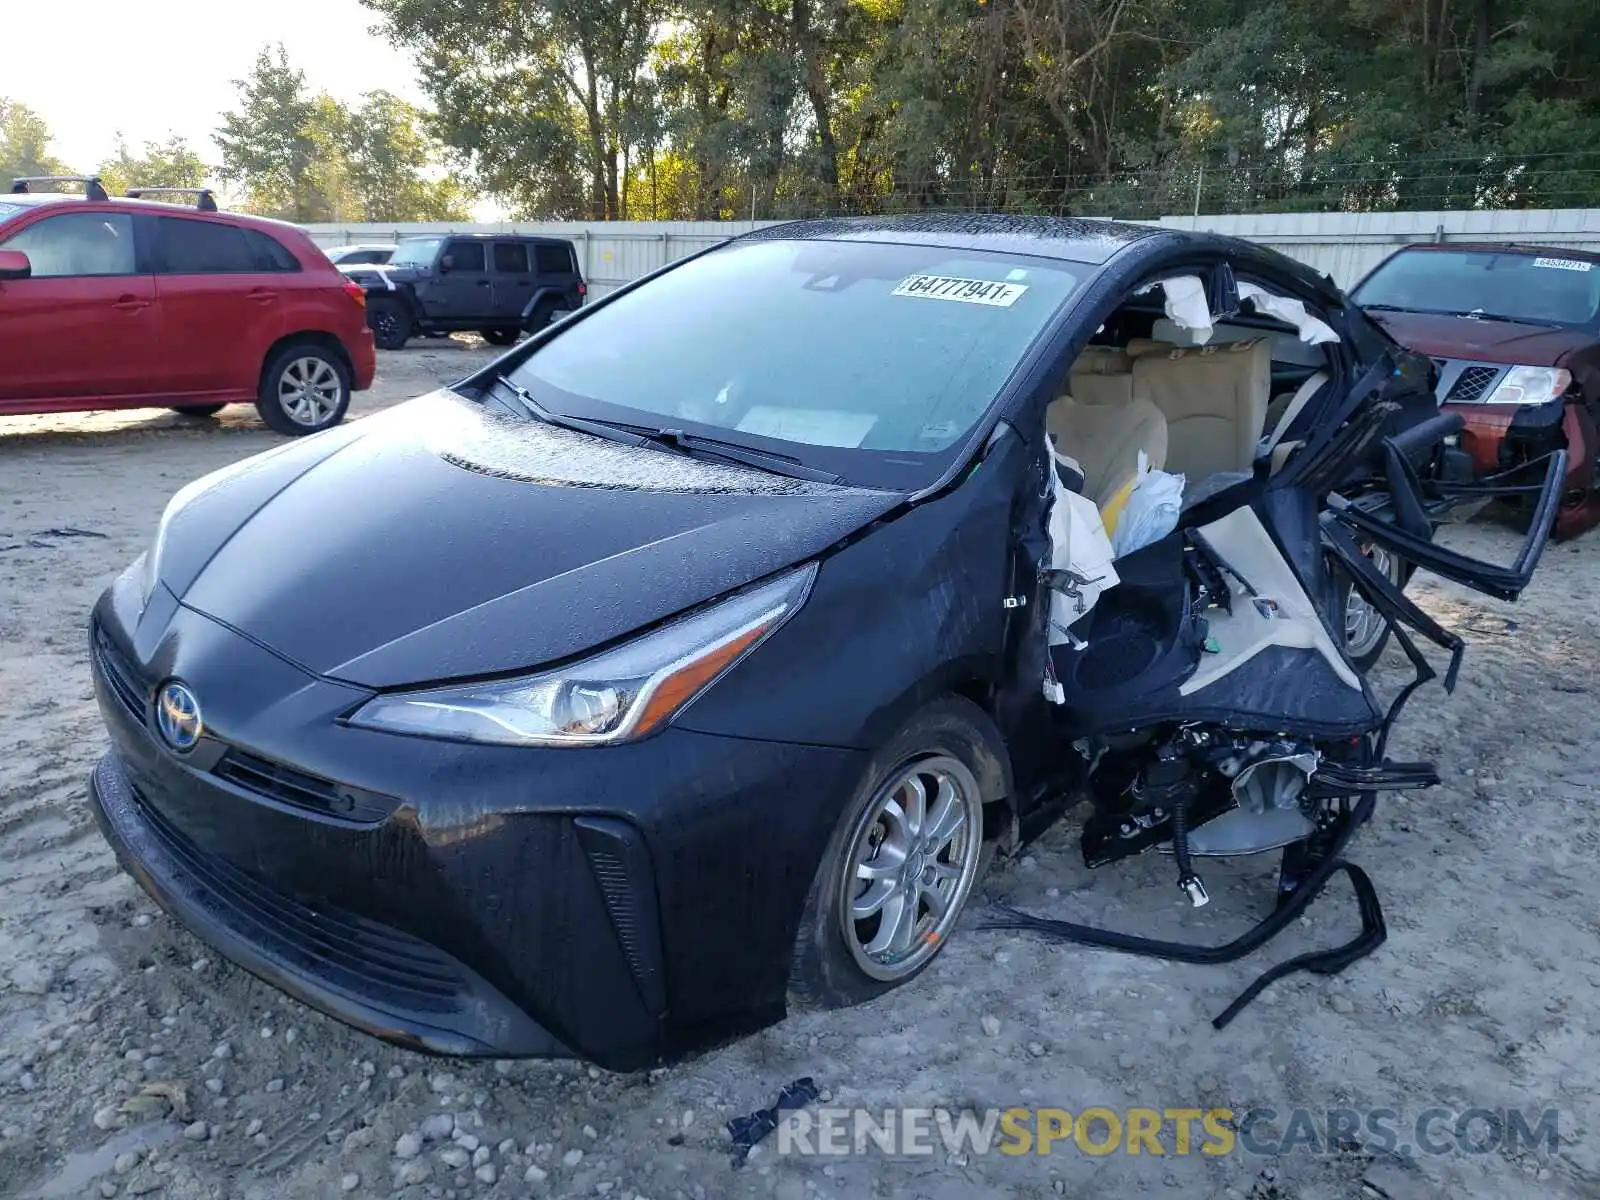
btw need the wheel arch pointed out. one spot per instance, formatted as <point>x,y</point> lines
<point>320,338</point>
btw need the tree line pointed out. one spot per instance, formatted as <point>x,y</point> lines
<point>719,109</point>
<point>286,152</point>
<point>728,108</point>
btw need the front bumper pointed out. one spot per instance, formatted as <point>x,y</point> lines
<point>380,980</point>
<point>1500,436</point>
<point>626,905</point>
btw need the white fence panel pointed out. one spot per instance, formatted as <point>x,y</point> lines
<point>1345,245</point>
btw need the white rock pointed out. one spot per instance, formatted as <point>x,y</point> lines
<point>467,1141</point>
<point>437,1127</point>
<point>350,1182</point>
<point>589,1132</point>
<point>253,1128</point>
<point>407,1145</point>
<point>107,1117</point>
<point>572,1158</point>
<point>991,1025</point>
<point>416,1171</point>
<point>535,1174</point>
<point>507,1146</point>
<point>107,1189</point>
<point>196,1132</point>
<point>486,1173</point>
<point>454,1157</point>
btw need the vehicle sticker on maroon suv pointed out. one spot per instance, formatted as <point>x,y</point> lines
<point>968,291</point>
<point>1562,264</point>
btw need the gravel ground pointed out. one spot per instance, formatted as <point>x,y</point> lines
<point>133,1062</point>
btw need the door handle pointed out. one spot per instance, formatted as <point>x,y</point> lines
<point>483,283</point>
<point>262,296</point>
<point>130,303</point>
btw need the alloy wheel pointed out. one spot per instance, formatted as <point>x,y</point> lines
<point>1364,625</point>
<point>911,862</point>
<point>309,391</point>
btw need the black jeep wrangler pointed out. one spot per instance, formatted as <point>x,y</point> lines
<point>498,284</point>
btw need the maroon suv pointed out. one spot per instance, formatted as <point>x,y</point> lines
<point>129,303</point>
<point>1515,334</point>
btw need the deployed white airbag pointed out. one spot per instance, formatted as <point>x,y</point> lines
<point>1312,330</point>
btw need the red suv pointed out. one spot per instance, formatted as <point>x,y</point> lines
<point>130,303</point>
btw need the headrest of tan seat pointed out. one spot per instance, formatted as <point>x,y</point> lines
<point>1106,440</point>
<point>1214,398</point>
<point>1102,360</point>
<point>1102,375</point>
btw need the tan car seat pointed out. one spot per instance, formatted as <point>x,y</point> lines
<point>1105,440</point>
<point>1214,400</point>
<point>1101,375</point>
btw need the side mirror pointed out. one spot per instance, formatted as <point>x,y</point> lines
<point>447,264</point>
<point>14,264</point>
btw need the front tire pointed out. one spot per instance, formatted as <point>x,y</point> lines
<point>903,860</point>
<point>390,322</point>
<point>305,388</point>
<point>198,411</point>
<point>498,337</point>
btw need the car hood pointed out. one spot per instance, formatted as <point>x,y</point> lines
<point>444,541</point>
<point>1481,341</point>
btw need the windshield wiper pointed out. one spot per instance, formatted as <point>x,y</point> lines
<point>690,444</point>
<point>603,429</point>
<point>1479,315</point>
<point>738,452</point>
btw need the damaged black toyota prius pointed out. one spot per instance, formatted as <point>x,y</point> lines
<point>687,662</point>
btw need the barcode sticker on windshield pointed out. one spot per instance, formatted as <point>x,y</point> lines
<point>967,291</point>
<point>1563,264</point>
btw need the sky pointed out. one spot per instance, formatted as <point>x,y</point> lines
<point>92,68</point>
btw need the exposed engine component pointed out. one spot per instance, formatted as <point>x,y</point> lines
<point>1270,792</point>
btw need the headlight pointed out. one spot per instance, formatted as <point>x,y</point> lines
<point>619,695</point>
<point>1530,385</point>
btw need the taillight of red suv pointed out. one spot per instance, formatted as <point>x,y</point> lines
<point>356,292</point>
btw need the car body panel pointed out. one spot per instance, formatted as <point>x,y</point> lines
<point>433,605</point>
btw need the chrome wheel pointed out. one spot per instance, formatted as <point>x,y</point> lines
<point>911,861</point>
<point>1364,626</point>
<point>309,391</point>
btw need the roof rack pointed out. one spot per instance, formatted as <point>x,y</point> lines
<point>204,200</point>
<point>92,189</point>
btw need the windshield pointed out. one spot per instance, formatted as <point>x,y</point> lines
<point>868,360</point>
<point>1537,288</point>
<point>415,252</point>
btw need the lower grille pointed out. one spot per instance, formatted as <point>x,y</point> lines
<point>361,958</point>
<point>1472,385</point>
<point>119,674</point>
<point>304,791</point>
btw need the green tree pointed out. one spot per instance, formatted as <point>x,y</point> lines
<point>275,143</point>
<point>392,165</point>
<point>24,144</point>
<point>537,96</point>
<point>305,157</point>
<point>160,164</point>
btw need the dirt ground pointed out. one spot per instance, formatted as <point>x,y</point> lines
<point>1485,995</point>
